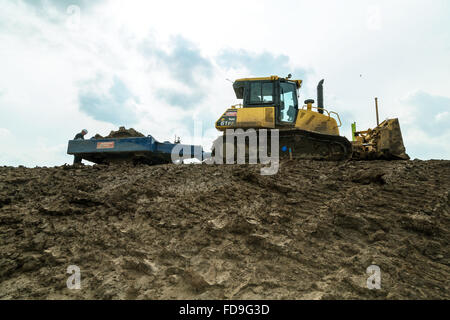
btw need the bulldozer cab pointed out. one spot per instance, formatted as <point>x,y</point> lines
<point>274,92</point>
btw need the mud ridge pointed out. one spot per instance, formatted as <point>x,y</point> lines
<point>226,232</point>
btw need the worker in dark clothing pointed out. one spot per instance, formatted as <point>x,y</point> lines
<point>79,136</point>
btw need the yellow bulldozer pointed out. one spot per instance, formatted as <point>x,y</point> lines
<point>304,132</point>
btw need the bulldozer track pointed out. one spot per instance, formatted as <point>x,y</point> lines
<point>295,143</point>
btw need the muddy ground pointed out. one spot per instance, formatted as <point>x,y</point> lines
<point>226,232</point>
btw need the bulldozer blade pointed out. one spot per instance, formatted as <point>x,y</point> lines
<point>383,142</point>
<point>391,140</point>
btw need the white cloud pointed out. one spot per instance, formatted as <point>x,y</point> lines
<point>4,133</point>
<point>361,49</point>
<point>443,116</point>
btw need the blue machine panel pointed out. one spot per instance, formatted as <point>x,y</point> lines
<point>100,150</point>
<point>112,145</point>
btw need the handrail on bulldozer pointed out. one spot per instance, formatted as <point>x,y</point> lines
<point>328,112</point>
<point>339,118</point>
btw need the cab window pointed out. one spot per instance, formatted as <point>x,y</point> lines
<point>288,102</point>
<point>261,92</point>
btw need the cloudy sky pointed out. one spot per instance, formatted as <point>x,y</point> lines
<point>161,66</point>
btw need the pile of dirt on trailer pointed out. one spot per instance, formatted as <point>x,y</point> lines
<point>121,133</point>
<point>227,232</point>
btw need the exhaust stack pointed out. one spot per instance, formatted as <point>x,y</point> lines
<point>320,96</point>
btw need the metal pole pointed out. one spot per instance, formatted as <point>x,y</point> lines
<point>376,107</point>
<point>353,131</point>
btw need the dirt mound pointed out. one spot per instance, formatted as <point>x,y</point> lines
<point>121,133</point>
<point>210,231</point>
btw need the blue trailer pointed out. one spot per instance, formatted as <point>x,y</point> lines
<point>133,149</point>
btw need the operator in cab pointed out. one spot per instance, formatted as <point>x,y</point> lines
<point>79,136</point>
